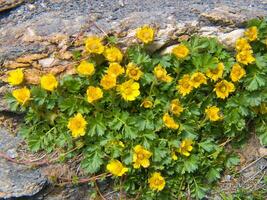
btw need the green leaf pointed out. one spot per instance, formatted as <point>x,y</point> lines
<point>76,54</point>
<point>159,153</point>
<point>254,82</point>
<point>12,102</point>
<point>199,190</point>
<point>263,139</point>
<point>232,160</point>
<point>207,145</point>
<point>130,132</point>
<point>190,164</point>
<point>261,61</point>
<point>213,174</point>
<point>39,95</point>
<point>97,126</point>
<point>93,162</point>
<point>261,130</point>
<point>71,84</point>
<point>112,40</point>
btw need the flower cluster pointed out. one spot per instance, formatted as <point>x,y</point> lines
<point>157,122</point>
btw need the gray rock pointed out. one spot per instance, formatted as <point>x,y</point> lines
<point>17,180</point>
<point>8,4</point>
<point>228,15</point>
<point>3,104</point>
<point>68,17</point>
<point>229,39</point>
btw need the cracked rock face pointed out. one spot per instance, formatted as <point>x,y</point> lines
<point>24,29</point>
<point>8,4</point>
<point>17,180</point>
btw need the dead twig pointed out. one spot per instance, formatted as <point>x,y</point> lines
<point>226,142</point>
<point>27,162</point>
<point>250,164</point>
<point>98,191</point>
<point>66,181</point>
<point>99,28</point>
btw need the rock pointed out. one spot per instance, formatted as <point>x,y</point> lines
<point>48,62</point>
<point>65,193</point>
<point>230,38</point>
<point>225,15</point>
<point>32,76</point>
<point>3,104</point>
<point>14,64</point>
<point>209,30</point>
<point>30,58</point>
<point>17,180</point>
<point>167,50</point>
<point>8,4</point>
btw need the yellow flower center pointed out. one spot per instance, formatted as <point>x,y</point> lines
<point>146,35</point>
<point>133,72</point>
<point>158,182</point>
<point>186,85</point>
<point>78,124</point>
<point>197,79</point>
<point>94,46</point>
<point>223,88</point>
<point>140,156</point>
<point>214,71</point>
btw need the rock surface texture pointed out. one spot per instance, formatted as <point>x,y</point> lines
<point>39,35</point>
<point>16,180</point>
<point>25,28</point>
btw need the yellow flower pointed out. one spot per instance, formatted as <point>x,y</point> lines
<point>86,68</point>
<point>145,34</point>
<point>141,157</point>
<point>15,77</point>
<point>245,57</point>
<point>115,69</point>
<point>147,103</point>
<point>117,143</point>
<point>116,168</point>
<point>167,79</point>
<point>213,113</point>
<point>49,82</point>
<point>252,33</point>
<point>217,73</point>
<point>169,121</point>
<point>22,95</point>
<point>237,72</point>
<point>174,156</point>
<point>161,74</point>
<point>186,147</point>
<point>113,54</point>
<point>180,51</point>
<point>77,125</point>
<point>197,79</point>
<point>224,88</point>
<point>93,94</point>
<point>94,44</point>
<point>176,107</point>
<point>133,72</point>
<point>108,82</point>
<point>156,182</point>
<point>129,90</point>
<point>242,44</point>
<point>121,144</point>
<point>184,87</point>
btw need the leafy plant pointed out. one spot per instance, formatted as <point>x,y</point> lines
<point>162,120</point>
